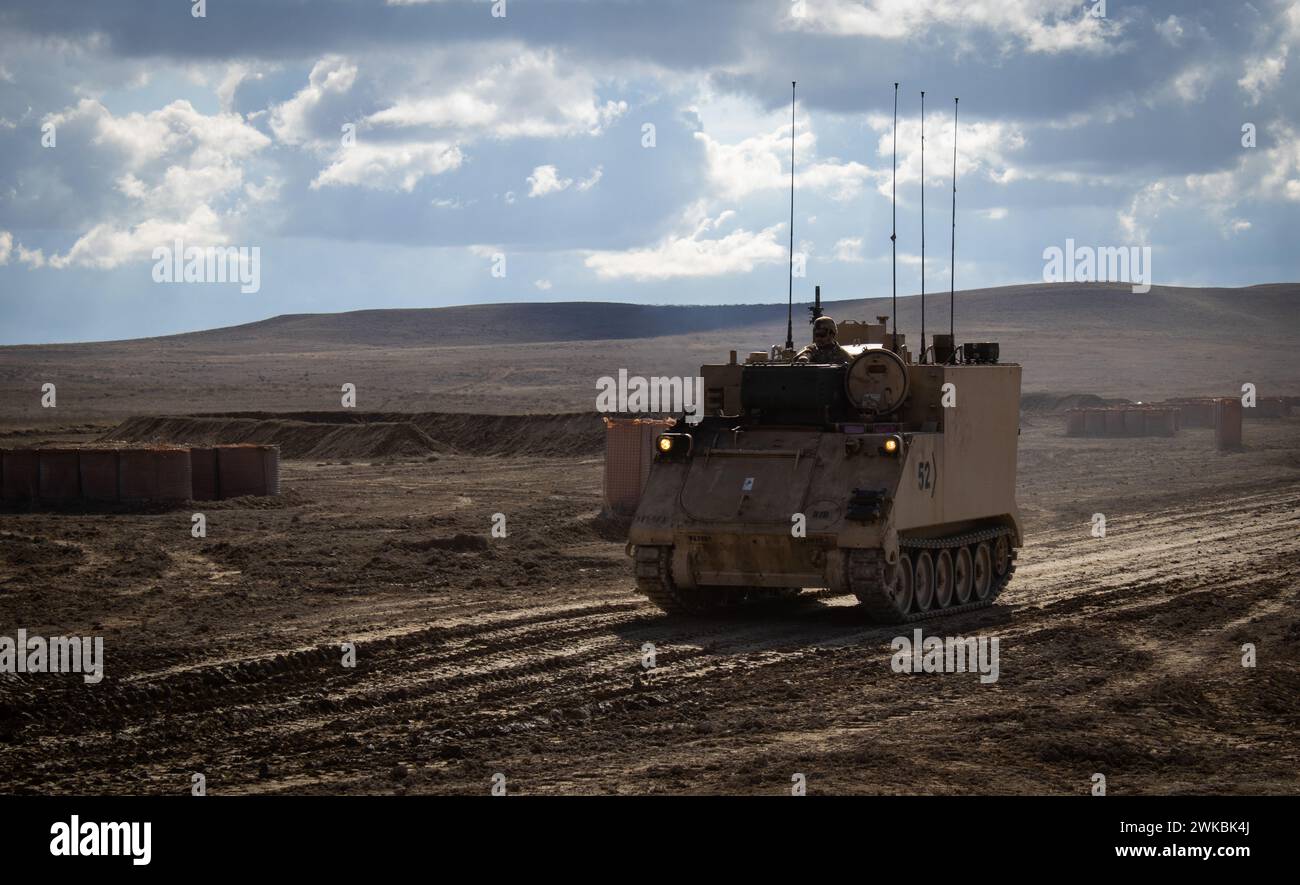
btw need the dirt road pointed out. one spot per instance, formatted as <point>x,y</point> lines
<point>524,656</point>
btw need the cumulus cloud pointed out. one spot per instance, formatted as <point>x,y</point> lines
<point>236,73</point>
<point>1263,69</point>
<point>179,172</point>
<point>1259,176</point>
<point>530,94</point>
<point>33,258</point>
<point>546,180</point>
<point>311,119</point>
<point>174,132</point>
<point>445,127</point>
<point>9,248</point>
<point>108,245</point>
<point>388,165</point>
<point>295,121</point>
<point>762,162</point>
<point>266,192</point>
<point>1040,26</point>
<point>849,249</point>
<point>430,126</point>
<point>1146,206</point>
<point>1170,30</point>
<point>693,254</point>
<point>1263,73</point>
<point>984,149</point>
<point>1189,84</point>
<point>591,180</point>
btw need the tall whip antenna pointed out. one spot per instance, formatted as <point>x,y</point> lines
<point>922,226</point>
<point>893,234</point>
<point>952,260</point>
<point>789,306</point>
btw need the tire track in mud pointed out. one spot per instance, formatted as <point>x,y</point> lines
<point>1165,546</point>
<point>487,675</point>
<point>256,705</point>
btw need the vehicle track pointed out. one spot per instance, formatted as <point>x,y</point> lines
<point>427,690</point>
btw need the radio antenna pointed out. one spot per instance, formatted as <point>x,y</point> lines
<point>922,226</point>
<point>789,306</point>
<point>893,234</point>
<point>952,260</point>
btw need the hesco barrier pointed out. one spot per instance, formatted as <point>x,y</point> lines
<point>203,473</point>
<point>1227,424</point>
<point>1202,411</point>
<point>1198,412</point>
<point>1115,422</point>
<point>98,474</point>
<point>1122,421</point>
<point>22,475</point>
<point>1268,407</point>
<point>1161,422</point>
<point>60,475</point>
<point>138,475</point>
<point>629,451</point>
<point>154,475</point>
<point>247,470</point>
<point>172,466</point>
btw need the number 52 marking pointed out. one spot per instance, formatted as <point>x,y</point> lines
<point>926,476</point>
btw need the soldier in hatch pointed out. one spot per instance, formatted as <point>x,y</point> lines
<point>824,350</point>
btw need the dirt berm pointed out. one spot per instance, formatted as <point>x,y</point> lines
<point>375,434</point>
<point>334,435</point>
<point>1053,403</point>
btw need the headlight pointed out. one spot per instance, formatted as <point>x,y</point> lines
<point>673,446</point>
<point>892,446</point>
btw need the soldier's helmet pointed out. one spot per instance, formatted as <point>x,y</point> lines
<point>824,323</point>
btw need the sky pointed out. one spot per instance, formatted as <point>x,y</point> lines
<point>366,154</point>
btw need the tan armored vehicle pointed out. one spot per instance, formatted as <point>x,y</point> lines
<point>890,479</point>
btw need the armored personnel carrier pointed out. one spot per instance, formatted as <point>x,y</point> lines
<point>890,479</point>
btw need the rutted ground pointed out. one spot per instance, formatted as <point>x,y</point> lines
<point>522,656</point>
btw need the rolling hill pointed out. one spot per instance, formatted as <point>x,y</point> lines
<point>538,357</point>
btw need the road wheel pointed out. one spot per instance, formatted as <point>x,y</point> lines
<point>654,578</point>
<point>923,581</point>
<point>1001,556</point>
<point>983,573</point>
<point>903,589</point>
<point>943,579</point>
<point>963,569</point>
